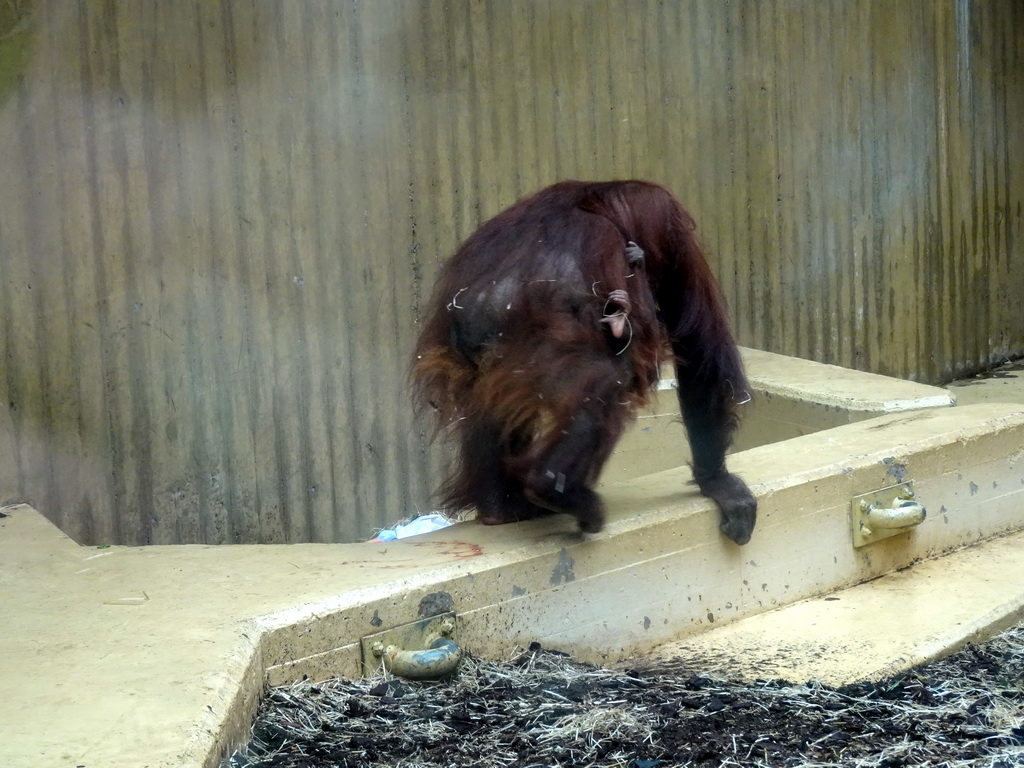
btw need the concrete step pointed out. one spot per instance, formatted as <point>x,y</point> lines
<point>872,630</point>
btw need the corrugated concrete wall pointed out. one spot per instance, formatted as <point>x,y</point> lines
<point>219,220</point>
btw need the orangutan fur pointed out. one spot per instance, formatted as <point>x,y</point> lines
<point>545,333</point>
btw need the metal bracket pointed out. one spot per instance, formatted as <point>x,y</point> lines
<point>424,649</point>
<point>881,514</point>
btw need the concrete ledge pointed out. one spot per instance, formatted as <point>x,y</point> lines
<point>154,656</point>
<point>790,398</point>
<point>862,394</point>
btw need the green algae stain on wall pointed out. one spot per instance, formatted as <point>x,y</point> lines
<point>15,38</point>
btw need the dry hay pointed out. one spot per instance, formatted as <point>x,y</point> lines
<point>545,709</point>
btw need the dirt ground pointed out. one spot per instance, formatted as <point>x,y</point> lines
<point>544,709</point>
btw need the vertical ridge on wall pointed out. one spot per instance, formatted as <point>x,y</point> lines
<point>345,254</point>
<point>234,291</point>
<point>429,192</point>
<point>222,220</point>
<point>320,267</point>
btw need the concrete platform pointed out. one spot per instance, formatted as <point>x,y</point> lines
<point>130,656</point>
<point>1004,384</point>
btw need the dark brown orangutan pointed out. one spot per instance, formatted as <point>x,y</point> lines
<point>544,335</point>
